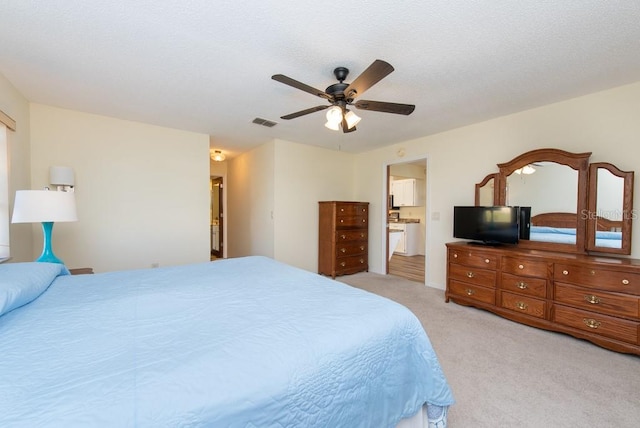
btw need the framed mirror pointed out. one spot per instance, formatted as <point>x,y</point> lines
<point>610,211</point>
<point>486,191</point>
<point>554,184</point>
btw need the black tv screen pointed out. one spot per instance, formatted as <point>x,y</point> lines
<point>489,225</point>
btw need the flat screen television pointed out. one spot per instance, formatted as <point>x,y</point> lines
<point>488,225</point>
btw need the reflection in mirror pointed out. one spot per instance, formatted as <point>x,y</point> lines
<point>548,188</point>
<point>485,191</point>
<point>609,215</point>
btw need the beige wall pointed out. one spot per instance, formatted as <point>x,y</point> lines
<point>16,106</point>
<point>142,191</point>
<point>303,176</point>
<point>605,123</point>
<point>250,200</point>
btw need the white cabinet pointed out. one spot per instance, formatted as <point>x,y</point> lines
<point>409,243</point>
<point>407,192</point>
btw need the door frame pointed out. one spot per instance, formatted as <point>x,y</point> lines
<point>386,169</point>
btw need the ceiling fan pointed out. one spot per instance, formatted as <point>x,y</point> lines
<point>341,94</point>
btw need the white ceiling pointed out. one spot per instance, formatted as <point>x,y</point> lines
<point>206,66</point>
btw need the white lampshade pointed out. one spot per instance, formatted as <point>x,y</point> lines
<point>35,206</point>
<point>334,115</point>
<point>334,126</point>
<point>61,176</point>
<point>352,119</point>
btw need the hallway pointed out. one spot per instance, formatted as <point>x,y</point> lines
<point>409,267</point>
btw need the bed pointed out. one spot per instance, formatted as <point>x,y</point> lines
<point>561,228</point>
<point>245,342</point>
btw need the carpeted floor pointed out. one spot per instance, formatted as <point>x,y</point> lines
<point>504,374</point>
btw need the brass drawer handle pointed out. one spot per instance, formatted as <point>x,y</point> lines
<point>343,236</point>
<point>361,247</point>
<point>470,275</point>
<point>361,261</point>
<point>590,298</point>
<point>625,281</point>
<point>521,285</point>
<point>520,266</point>
<point>470,292</point>
<point>565,272</point>
<point>521,305</point>
<point>591,323</point>
<point>343,250</point>
<point>343,264</point>
<point>487,260</point>
<point>593,272</point>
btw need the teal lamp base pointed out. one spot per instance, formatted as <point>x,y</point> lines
<point>47,255</point>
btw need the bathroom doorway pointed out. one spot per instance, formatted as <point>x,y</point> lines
<point>217,217</point>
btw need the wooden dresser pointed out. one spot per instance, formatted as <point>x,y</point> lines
<point>589,297</point>
<point>343,238</point>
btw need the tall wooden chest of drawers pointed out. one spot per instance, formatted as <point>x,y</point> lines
<point>343,238</point>
<point>589,297</point>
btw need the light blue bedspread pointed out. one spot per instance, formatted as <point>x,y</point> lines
<point>245,342</point>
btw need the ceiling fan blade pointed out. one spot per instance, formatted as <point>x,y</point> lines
<point>303,112</point>
<point>377,71</point>
<point>384,107</point>
<point>299,85</point>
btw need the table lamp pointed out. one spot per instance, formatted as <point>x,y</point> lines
<point>46,207</point>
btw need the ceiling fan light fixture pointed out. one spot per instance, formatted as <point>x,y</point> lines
<point>352,119</point>
<point>334,126</point>
<point>217,156</point>
<point>334,115</point>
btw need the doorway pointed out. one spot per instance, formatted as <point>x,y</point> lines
<point>217,217</point>
<point>406,184</point>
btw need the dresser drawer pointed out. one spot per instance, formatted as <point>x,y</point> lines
<point>474,258</point>
<point>471,291</point>
<point>598,301</point>
<point>594,277</point>
<point>351,235</point>
<point>616,328</point>
<point>351,221</point>
<point>471,275</point>
<point>523,304</point>
<point>350,248</point>
<point>526,267</point>
<point>352,210</point>
<point>524,285</point>
<point>349,263</point>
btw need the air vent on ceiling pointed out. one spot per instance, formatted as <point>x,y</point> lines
<point>264,122</point>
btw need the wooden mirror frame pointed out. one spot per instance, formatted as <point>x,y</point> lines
<point>595,223</point>
<point>484,182</point>
<point>576,161</point>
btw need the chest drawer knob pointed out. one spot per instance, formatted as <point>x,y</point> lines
<point>593,272</point>
<point>565,272</point>
<point>343,250</point>
<point>343,236</point>
<point>521,305</point>
<point>625,281</point>
<point>591,323</point>
<point>487,261</point>
<point>455,255</point>
<point>361,247</point>
<point>343,264</point>
<point>469,292</point>
<point>521,285</point>
<point>470,275</point>
<point>362,235</point>
<point>520,266</point>
<point>590,298</point>
<point>361,261</point>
